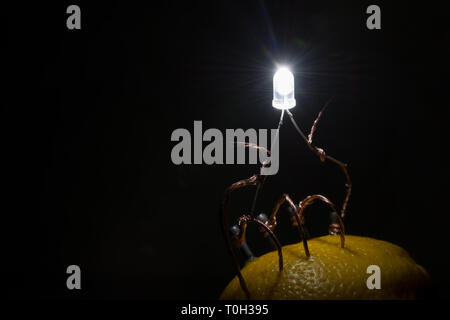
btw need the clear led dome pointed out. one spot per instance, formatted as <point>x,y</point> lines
<point>283,89</point>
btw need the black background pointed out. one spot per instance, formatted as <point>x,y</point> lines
<point>89,114</point>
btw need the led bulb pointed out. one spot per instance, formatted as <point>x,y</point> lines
<point>283,89</point>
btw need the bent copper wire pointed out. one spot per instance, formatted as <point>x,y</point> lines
<point>316,122</point>
<point>341,165</point>
<point>223,218</point>
<point>245,219</point>
<point>269,226</point>
<point>235,236</point>
<point>301,230</point>
<point>255,180</point>
<point>309,200</point>
<point>323,156</point>
<point>259,184</point>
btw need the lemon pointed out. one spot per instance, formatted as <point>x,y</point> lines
<point>332,272</point>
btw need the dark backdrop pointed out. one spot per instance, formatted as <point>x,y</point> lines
<point>89,115</point>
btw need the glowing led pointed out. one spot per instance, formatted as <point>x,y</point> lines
<point>283,89</point>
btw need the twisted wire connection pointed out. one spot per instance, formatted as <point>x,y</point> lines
<point>252,145</point>
<point>319,152</point>
<point>259,185</point>
<point>316,122</point>
<point>261,182</point>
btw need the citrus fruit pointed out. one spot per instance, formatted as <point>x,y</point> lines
<point>332,272</point>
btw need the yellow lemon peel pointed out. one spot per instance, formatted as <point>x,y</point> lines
<point>332,272</point>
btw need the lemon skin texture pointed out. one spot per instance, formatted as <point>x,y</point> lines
<point>332,272</point>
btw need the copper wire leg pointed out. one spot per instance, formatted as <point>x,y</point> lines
<point>253,180</point>
<point>323,156</point>
<point>301,230</point>
<point>309,200</point>
<point>244,220</point>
